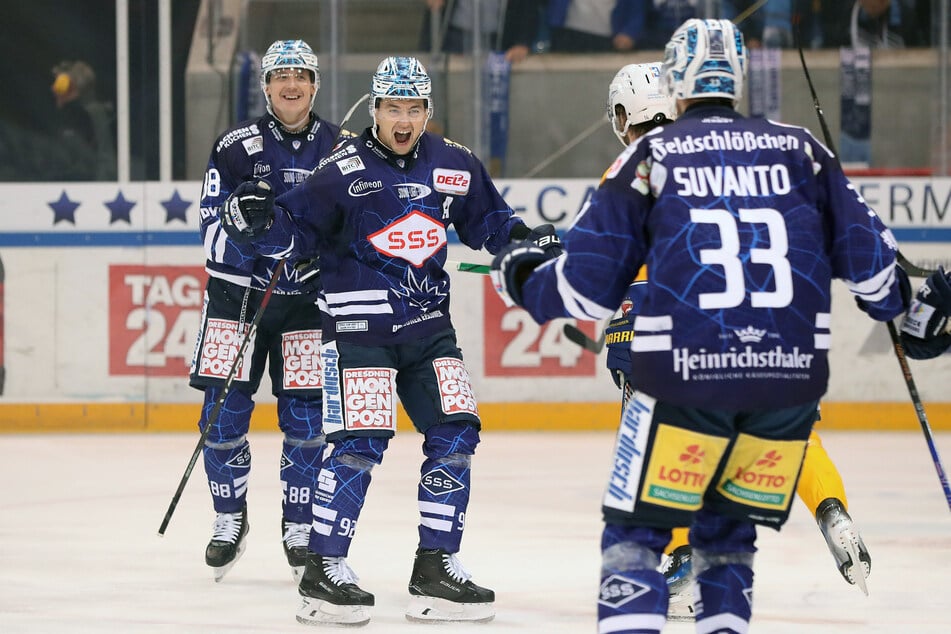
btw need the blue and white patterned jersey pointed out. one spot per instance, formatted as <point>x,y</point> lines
<point>743,224</point>
<point>252,150</point>
<point>379,223</point>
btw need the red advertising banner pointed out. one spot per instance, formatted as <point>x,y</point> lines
<point>154,314</point>
<point>516,346</point>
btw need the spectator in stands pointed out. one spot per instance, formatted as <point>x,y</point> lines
<point>769,26</point>
<point>83,128</point>
<point>876,23</point>
<point>518,19</point>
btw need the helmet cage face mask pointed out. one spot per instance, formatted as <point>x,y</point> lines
<point>637,90</point>
<point>705,59</point>
<point>289,54</point>
<point>400,78</point>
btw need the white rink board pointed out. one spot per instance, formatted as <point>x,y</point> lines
<point>68,325</point>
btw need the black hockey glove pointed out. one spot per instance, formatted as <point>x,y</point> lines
<point>308,275</point>
<point>248,212</point>
<point>617,336</point>
<point>512,266</point>
<point>926,328</point>
<point>546,239</point>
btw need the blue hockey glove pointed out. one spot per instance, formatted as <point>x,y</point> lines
<point>617,338</point>
<point>248,212</point>
<point>926,328</point>
<point>545,238</point>
<point>512,266</point>
<point>308,276</point>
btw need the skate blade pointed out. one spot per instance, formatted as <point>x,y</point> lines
<point>316,612</point>
<point>297,572</point>
<point>433,609</point>
<point>220,572</point>
<point>680,608</point>
<point>850,544</point>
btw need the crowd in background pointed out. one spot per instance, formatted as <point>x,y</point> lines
<point>47,132</point>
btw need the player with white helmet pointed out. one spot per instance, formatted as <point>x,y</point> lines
<point>636,104</point>
<point>377,210</point>
<point>281,147</point>
<point>740,288</point>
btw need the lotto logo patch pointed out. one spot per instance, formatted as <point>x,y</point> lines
<point>455,392</point>
<point>219,350</point>
<point>439,482</point>
<point>451,181</point>
<point>617,590</point>
<point>680,467</point>
<point>370,398</point>
<point>761,472</point>
<point>301,353</point>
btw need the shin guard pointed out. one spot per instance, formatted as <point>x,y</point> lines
<point>340,493</point>
<point>444,482</point>
<point>633,595</point>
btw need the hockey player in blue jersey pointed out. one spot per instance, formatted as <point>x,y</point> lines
<point>742,224</point>
<point>281,147</point>
<point>377,213</point>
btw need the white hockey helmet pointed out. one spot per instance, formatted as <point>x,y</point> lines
<point>289,54</point>
<point>705,59</point>
<point>636,88</point>
<point>401,78</point>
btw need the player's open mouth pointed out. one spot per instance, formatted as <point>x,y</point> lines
<point>402,137</point>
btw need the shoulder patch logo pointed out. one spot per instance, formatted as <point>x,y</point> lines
<point>361,187</point>
<point>253,145</point>
<point>451,181</point>
<point>412,191</point>
<point>352,164</point>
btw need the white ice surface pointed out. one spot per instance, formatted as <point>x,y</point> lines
<point>79,550</point>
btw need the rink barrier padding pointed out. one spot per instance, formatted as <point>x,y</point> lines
<point>36,418</point>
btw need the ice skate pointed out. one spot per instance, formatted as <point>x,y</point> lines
<point>227,541</point>
<point>330,594</point>
<point>442,591</point>
<point>296,537</point>
<point>678,571</point>
<point>844,542</point>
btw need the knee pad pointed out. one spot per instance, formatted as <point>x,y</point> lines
<point>234,417</point>
<point>300,417</point>
<point>445,439</point>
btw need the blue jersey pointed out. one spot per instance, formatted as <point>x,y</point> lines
<point>379,223</point>
<point>253,150</point>
<point>743,224</point>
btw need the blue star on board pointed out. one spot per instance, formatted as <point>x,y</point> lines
<point>175,208</point>
<point>64,209</point>
<point>120,208</point>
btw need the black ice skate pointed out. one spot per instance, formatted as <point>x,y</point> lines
<point>227,541</point>
<point>331,595</point>
<point>442,591</point>
<point>844,542</point>
<point>296,537</point>
<point>678,572</point>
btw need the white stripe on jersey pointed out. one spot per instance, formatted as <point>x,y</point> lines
<point>372,302</point>
<point>577,305</point>
<point>875,288</point>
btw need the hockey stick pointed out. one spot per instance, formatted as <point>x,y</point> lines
<point>577,336</point>
<point>213,416</point>
<point>467,267</point>
<point>229,380</point>
<point>892,331</point>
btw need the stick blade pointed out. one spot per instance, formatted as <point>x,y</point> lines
<point>576,336</point>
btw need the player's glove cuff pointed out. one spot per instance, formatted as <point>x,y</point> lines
<point>308,277</point>
<point>512,266</point>
<point>925,328</point>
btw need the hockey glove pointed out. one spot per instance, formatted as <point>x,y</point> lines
<point>926,328</point>
<point>617,338</point>
<point>546,239</point>
<point>248,212</point>
<point>512,266</point>
<point>308,276</point>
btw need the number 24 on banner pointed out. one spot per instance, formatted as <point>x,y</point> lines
<point>516,346</point>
